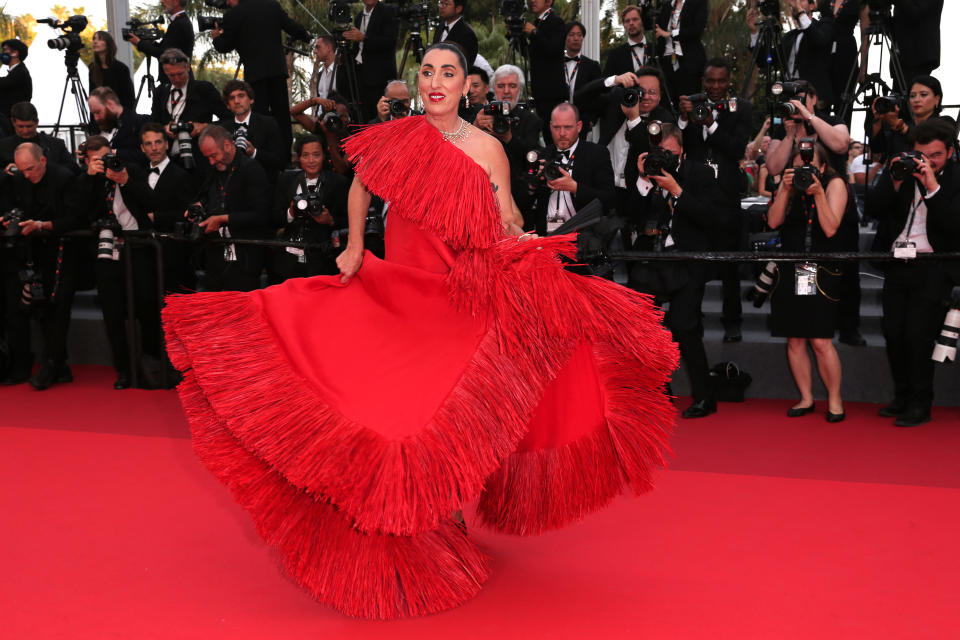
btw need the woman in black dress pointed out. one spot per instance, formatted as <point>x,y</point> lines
<point>107,71</point>
<point>804,298</point>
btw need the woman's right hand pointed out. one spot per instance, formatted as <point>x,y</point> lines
<point>786,182</point>
<point>349,263</point>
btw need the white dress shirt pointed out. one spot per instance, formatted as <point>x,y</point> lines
<point>917,232</point>
<point>364,22</point>
<point>560,205</point>
<point>154,176</point>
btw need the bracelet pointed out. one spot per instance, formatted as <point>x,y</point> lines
<point>524,235</point>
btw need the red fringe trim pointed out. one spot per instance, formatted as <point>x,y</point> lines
<point>374,576</point>
<point>398,161</point>
<point>401,487</point>
<point>535,491</point>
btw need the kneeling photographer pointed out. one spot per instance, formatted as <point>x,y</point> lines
<point>808,208</point>
<point>112,211</point>
<point>310,206</point>
<point>917,200</point>
<point>39,270</point>
<point>673,209</point>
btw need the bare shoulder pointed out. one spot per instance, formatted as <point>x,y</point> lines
<point>485,150</point>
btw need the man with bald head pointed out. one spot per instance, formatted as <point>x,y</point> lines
<point>585,173</point>
<point>44,192</point>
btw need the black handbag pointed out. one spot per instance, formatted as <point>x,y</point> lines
<point>729,381</point>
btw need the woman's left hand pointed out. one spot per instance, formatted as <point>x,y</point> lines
<point>349,263</point>
<point>815,189</point>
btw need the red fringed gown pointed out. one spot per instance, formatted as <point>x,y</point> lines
<point>352,421</point>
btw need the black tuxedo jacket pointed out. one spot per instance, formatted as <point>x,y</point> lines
<point>594,175</point>
<point>335,189</point>
<point>93,192</point>
<point>725,146</point>
<point>54,150</point>
<point>179,35</point>
<point>639,140</point>
<point>379,46</point>
<point>462,34</point>
<point>594,97</point>
<point>620,59</point>
<point>693,21</point>
<point>813,57</point>
<point>126,141</point>
<point>264,133</point>
<point>254,28</point>
<point>916,30</point>
<point>167,201</point>
<point>546,45</point>
<point>588,71</point>
<point>16,86</point>
<point>54,198</point>
<point>247,197</point>
<point>204,103</point>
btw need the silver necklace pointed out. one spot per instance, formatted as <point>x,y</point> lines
<point>456,136</point>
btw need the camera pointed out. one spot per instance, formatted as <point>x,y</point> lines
<point>190,228</point>
<point>806,174</point>
<point>13,218</point>
<point>411,9</point>
<point>909,163</point>
<point>764,284</point>
<point>887,104</point>
<point>182,131</point>
<point>398,108</point>
<point>655,133</point>
<point>70,40</point>
<point>660,160</point>
<point>787,91</point>
<point>108,229</point>
<point>504,116</point>
<point>240,138</point>
<point>769,9</point>
<point>333,123</point>
<point>340,15</point>
<point>112,162</point>
<point>216,4</point>
<point>206,23</point>
<point>308,204</point>
<point>702,109</point>
<point>945,346</point>
<point>143,29</point>
<point>632,96</point>
<point>512,13</point>
<point>32,292</point>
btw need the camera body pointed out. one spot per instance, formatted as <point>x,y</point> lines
<point>787,91</point>
<point>216,4</point>
<point>769,10</point>
<point>660,160</point>
<point>112,162</point>
<point>512,13</point>
<point>398,108</point>
<point>805,175</point>
<point>412,10</point>
<point>308,204</point>
<point>333,123</point>
<point>909,162</point>
<point>632,96</point>
<point>504,115</point>
<point>70,40</point>
<point>340,15</point>
<point>145,30</point>
<point>702,109</point>
<point>887,104</point>
<point>206,23</point>
<point>13,218</point>
<point>190,228</point>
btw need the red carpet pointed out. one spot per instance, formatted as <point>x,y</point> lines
<point>763,528</point>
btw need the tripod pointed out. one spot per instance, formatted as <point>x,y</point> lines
<point>72,81</point>
<point>414,43</point>
<point>146,81</point>
<point>517,52</point>
<point>879,34</point>
<point>347,61</point>
<point>770,49</point>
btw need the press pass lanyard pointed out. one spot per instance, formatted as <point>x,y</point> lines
<point>811,208</point>
<point>572,76</point>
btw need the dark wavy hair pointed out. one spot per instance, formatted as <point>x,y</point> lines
<point>446,46</point>
<point>109,56</point>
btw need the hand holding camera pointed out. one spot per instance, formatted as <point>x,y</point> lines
<point>913,163</point>
<point>655,167</point>
<point>563,183</point>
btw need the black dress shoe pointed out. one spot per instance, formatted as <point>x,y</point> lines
<point>852,338</point>
<point>912,418</point>
<point>893,409</point>
<point>64,374</point>
<point>836,417</point>
<point>123,381</point>
<point>732,336</point>
<point>796,412</point>
<point>45,376</point>
<point>16,377</point>
<point>700,409</point>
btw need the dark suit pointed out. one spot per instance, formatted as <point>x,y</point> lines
<point>54,150</point>
<point>126,141</point>
<point>620,59</point>
<point>590,167</point>
<point>547,83</point>
<point>203,104</point>
<point>585,72</point>
<point>693,221</point>
<point>179,35</point>
<point>685,79</point>
<point>243,193</point>
<point>462,34</point>
<point>254,28</point>
<point>914,292</point>
<point>16,86</point>
<point>916,30</point>
<point>812,62</point>
<point>265,136</point>
<point>334,188</point>
<point>379,64</point>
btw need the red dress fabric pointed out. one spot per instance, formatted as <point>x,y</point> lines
<point>351,421</point>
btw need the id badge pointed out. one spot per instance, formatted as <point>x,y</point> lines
<point>904,250</point>
<point>229,253</point>
<point>299,252</point>
<point>117,245</point>
<point>805,279</point>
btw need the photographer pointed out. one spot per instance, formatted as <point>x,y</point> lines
<point>716,130</point>
<point>575,173</point>
<point>16,86</point>
<point>185,101</point>
<point>455,29</point>
<point>633,54</point>
<point>672,209</point>
<point>179,35</point>
<point>111,211</point>
<point>45,193</point>
<point>807,121</point>
<point>916,32</point>
<point>333,127</point>
<point>254,134</point>
<point>889,129</point>
<point>107,71</point>
<point>578,69</point>
<point>120,126</point>
<point>395,102</point>
<point>479,94</point>
<point>330,79</point>
<point>917,202</point>
<point>374,37</point>
<point>679,32</point>
<point>546,37</point>
<point>25,121</point>
<point>808,208</point>
<point>236,204</point>
<point>310,206</point>
<point>254,28</point>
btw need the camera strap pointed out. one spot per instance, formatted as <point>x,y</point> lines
<point>908,230</point>
<point>811,209</point>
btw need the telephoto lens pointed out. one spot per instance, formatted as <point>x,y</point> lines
<point>332,122</point>
<point>945,347</point>
<point>13,218</point>
<point>764,284</point>
<point>184,143</point>
<point>398,108</point>
<point>240,138</point>
<point>632,96</point>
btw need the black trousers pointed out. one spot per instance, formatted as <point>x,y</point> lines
<point>913,311</point>
<point>16,324</point>
<point>242,274</point>
<point>284,265</point>
<point>272,100</point>
<point>850,294</point>
<point>111,290</point>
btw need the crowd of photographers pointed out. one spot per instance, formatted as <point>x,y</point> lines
<point>653,148</point>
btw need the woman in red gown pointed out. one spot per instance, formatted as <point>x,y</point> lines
<point>353,415</point>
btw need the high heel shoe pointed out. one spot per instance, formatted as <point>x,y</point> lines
<point>836,417</point>
<point>796,412</point>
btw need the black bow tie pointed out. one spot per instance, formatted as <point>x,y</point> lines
<point>637,46</point>
<point>573,59</point>
<point>566,154</point>
<point>155,170</point>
